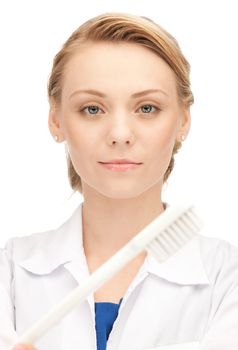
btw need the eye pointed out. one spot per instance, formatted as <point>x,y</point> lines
<point>92,109</point>
<point>146,109</point>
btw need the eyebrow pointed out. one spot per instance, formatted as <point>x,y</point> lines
<point>135,95</point>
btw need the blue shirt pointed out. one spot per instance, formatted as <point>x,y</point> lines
<point>105,316</point>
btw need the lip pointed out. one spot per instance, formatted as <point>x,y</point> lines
<point>120,161</point>
<point>120,166</point>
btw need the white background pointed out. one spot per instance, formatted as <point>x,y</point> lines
<point>35,194</point>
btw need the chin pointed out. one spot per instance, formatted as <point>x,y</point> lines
<point>112,190</point>
<point>123,192</point>
<point>120,194</point>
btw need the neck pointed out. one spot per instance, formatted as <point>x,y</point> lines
<point>109,223</point>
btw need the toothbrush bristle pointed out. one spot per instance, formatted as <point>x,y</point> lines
<point>176,235</point>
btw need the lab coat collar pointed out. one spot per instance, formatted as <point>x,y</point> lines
<point>41,253</point>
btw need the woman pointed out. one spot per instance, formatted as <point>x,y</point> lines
<point>120,99</point>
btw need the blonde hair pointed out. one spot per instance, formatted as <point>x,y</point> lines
<point>115,27</point>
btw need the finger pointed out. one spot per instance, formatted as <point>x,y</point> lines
<point>24,347</point>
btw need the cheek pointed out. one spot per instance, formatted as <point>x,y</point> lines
<point>76,136</point>
<point>80,149</point>
<point>79,152</point>
<point>82,146</point>
<point>161,142</point>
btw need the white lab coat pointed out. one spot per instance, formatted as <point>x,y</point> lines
<point>189,299</point>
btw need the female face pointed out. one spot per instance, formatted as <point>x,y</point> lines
<point>119,101</point>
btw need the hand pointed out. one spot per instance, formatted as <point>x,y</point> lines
<point>24,347</point>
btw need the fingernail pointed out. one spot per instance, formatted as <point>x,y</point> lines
<point>19,347</point>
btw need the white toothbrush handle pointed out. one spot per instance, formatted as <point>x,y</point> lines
<point>142,241</point>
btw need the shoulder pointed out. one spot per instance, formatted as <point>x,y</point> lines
<point>41,252</point>
<point>218,250</point>
<point>21,249</point>
<point>220,259</point>
<point>28,245</point>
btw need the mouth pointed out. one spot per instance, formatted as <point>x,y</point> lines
<point>120,161</point>
<point>120,166</point>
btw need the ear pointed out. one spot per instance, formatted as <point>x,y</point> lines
<point>55,123</point>
<point>185,123</point>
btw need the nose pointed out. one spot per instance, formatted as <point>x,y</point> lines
<point>120,130</point>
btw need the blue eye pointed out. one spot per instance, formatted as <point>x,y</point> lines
<point>147,109</point>
<point>91,109</point>
<point>94,109</point>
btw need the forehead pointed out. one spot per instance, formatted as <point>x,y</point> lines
<point>122,66</point>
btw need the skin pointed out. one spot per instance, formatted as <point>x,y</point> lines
<point>24,347</point>
<point>118,205</point>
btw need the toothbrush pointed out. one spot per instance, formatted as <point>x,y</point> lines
<point>162,238</point>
